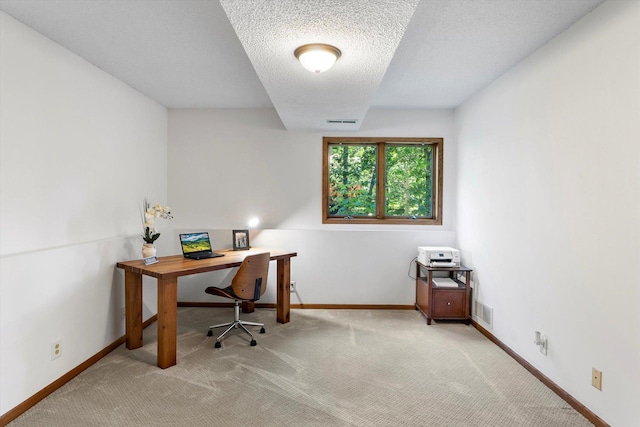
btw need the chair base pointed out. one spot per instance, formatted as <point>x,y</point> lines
<point>237,323</point>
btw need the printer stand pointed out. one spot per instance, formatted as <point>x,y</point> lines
<point>438,302</point>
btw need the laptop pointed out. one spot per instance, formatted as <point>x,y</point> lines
<point>197,246</point>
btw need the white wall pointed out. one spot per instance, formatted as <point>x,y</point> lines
<point>78,152</point>
<point>228,165</point>
<point>549,207</point>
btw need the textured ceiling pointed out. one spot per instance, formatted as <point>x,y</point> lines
<point>454,48</point>
<point>396,54</point>
<point>366,32</point>
<point>182,53</point>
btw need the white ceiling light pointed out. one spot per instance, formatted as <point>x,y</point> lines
<point>317,57</point>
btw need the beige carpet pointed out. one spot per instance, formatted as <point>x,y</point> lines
<point>325,368</point>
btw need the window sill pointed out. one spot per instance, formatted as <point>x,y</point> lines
<point>402,221</point>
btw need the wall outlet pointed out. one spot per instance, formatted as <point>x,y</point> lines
<point>123,313</point>
<point>293,286</point>
<point>56,349</point>
<point>596,378</point>
<point>541,342</point>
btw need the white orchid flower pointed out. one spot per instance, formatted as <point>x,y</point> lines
<point>150,213</point>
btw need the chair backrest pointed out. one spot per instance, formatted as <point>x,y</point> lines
<point>252,268</point>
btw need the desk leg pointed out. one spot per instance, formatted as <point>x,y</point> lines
<point>133,309</point>
<point>167,321</point>
<point>284,290</point>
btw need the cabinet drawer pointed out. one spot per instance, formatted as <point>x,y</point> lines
<point>448,303</point>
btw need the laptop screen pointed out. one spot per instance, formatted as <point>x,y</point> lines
<point>195,242</point>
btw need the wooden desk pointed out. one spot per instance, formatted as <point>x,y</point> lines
<point>167,271</point>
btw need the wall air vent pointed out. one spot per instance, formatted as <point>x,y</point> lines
<point>343,121</point>
<point>484,313</point>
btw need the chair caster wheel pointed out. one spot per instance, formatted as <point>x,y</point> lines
<point>262,331</point>
<point>210,333</point>
<point>253,343</point>
<point>218,345</point>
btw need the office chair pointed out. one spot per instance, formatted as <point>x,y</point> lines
<point>248,284</point>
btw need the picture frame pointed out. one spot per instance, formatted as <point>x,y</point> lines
<point>240,240</point>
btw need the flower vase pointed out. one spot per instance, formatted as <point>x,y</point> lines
<point>148,249</point>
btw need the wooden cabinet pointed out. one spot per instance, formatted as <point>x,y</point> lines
<point>438,302</point>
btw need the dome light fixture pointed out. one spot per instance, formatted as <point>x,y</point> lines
<point>317,57</point>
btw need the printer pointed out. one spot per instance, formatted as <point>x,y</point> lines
<point>438,256</point>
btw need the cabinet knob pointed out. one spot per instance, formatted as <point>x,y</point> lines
<point>448,303</point>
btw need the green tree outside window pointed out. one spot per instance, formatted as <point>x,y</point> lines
<point>407,170</point>
<point>353,180</point>
<point>408,181</point>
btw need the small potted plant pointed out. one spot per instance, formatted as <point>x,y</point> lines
<point>150,234</point>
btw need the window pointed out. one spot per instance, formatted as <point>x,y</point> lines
<point>382,180</point>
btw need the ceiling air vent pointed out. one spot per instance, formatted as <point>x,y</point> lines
<point>343,121</point>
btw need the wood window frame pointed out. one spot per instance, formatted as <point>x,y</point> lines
<point>436,143</point>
